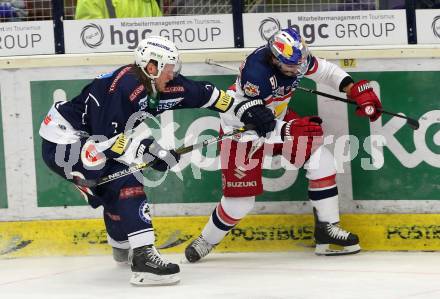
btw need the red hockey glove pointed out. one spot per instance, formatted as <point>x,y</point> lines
<point>309,126</point>
<point>304,135</point>
<point>366,99</point>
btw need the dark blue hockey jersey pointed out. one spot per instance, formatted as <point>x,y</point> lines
<point>105,105</point>
<point>260,79</point>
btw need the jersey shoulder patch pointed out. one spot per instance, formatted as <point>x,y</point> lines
<point>251,89</point>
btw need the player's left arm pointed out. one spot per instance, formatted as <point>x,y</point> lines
<point>323,71</point>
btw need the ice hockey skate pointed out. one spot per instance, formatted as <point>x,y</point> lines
<point>120,255</point>
<point>333,240</point>
<point>149,268</point>
<point>198,249</point>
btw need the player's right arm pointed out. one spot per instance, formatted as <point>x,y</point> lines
<point>252,89</point>
<point>323,71</point>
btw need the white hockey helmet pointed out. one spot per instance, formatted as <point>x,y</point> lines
<point>159,49</point>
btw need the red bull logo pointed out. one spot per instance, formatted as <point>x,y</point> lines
<point>47,119</point>
<point>284,48</point>
<point>251,90</point>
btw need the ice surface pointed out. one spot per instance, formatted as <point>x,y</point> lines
<point>390,275</point>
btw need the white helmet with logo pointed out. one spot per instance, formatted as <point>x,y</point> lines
<point>159,49</point>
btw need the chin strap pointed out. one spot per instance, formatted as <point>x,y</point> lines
<point>153,88</point>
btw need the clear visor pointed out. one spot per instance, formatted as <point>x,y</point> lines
<point>293,69</point>
<point>172,69</point>
<point>289,68</point>
<point>177,68</point>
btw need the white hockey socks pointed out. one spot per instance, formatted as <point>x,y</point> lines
<point>225,216</point>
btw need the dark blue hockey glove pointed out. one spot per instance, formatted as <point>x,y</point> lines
<point>254,112</point>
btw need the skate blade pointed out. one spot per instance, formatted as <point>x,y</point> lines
<point>150,279</point>
<point>122,264</point>
<point>185,261</point>
<point>330,249</point>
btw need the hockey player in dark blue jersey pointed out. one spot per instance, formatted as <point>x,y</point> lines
<point>101,130</point>
<point>269,76</point>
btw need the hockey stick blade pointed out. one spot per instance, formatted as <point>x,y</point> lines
<point>412,123</point>
<point>89,183</point>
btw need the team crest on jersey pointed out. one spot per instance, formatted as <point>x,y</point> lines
<point>251,90</point>
<point>143,103</point>
<point>144,212</point>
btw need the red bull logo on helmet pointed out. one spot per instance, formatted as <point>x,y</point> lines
<point>285,49</point>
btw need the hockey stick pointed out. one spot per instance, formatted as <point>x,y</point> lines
<point>88,183</point>
<point>412,123</point>
<point>213,62</point>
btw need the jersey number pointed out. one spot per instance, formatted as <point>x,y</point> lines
<point>273,82</point>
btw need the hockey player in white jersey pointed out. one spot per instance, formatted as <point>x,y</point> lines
<point>268,78</point>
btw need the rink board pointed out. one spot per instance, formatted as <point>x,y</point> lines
<point>416,232</point>
<point>396,174</point>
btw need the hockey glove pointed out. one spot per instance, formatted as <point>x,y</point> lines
<point>366,99</point>
<point>161,159</point>
<point>254,112</point>
<point>309,126</point>
<point>303,135</point>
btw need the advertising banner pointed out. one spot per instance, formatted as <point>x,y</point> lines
<point>393,161</point>
<point>3,193</point>
<point>337,28</point>
<point>428,26</point>
<point>187,32</point>
<point>26,38</point>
